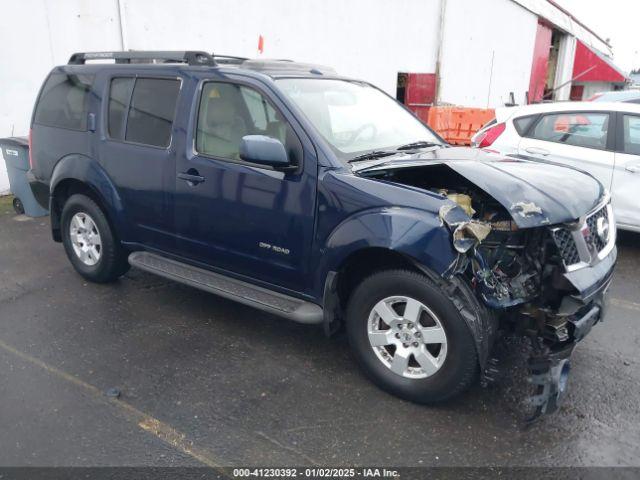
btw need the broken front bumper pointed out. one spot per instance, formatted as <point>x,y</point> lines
<point>549,368</point>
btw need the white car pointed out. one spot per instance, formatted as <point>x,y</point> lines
<point>600,138</point>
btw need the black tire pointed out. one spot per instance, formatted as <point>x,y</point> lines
<point>18,207</point>
<point>460,367</point>
<point>112,263</point>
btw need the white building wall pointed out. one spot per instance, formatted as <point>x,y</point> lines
<point>486,49</point>
<point>591,88</point>
<point>368,39</point>
<point>37,35</point>
<point>487,52</point>
<point>4,179</point>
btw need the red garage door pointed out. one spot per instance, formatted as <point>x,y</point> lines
<point>420,92</point>
<point>540,63</point>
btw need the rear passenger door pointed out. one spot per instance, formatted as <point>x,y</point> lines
<point>579,139</point>
<point>249,219</point>
<point>137,152</point>
<point>626,177</point>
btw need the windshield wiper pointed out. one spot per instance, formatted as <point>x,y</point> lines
<point>419,144</point>
<point>371,155</point>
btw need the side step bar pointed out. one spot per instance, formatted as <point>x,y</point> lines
<point>231,288</point>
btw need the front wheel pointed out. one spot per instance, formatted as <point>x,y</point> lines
<point>89,241</point>
<point>410,338</point>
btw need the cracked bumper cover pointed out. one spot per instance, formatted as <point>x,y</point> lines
<point>588,305</point>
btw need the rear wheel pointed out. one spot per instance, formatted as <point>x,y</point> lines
<point>410,338</point>
<point>18,207</point>
<point>89,241</point>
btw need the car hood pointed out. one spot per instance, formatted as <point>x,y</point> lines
<point>534,192</point>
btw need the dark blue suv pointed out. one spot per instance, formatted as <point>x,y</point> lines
<point>319,198</point>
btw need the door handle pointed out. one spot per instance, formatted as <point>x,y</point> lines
<point>537,151</point>
<point>191,176</point>
<point>633,168</point>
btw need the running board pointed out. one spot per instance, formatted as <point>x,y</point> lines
<point>237,290</point>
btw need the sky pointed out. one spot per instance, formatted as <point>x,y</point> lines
<point>617,20</point>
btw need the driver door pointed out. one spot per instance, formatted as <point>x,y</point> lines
<point>249,219</point>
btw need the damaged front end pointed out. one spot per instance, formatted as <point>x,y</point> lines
<point>548,283</point>
<point>545,280</point>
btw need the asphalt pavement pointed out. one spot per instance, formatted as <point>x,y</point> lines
<point>194,379</point>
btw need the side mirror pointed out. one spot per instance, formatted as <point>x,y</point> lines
<point>264,150</point>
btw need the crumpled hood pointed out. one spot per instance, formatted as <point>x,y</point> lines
<point>534,192</point>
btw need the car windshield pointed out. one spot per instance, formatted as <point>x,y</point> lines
<point>354,117</point>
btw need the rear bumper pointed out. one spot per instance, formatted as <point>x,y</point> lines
<point>39,189</point>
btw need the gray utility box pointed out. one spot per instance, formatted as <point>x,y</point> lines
<point>15,151</point>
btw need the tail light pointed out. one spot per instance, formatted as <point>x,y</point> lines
<point>30,149</point>
<point>486,138</point>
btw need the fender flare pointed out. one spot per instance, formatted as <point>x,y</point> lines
<point>90,173</point>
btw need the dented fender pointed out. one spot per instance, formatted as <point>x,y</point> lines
<point>417,234</point>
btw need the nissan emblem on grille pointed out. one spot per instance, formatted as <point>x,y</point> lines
<point>602,229</point>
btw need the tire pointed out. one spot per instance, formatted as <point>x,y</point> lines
<point>100,265</point>
<point>448,372</point>
<point>18,207</point>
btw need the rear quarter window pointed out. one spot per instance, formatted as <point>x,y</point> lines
<point>64,101</point>
<point>522,124</point>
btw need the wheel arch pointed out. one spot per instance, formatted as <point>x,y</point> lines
<point>482,322</point>
<point>80,174</point>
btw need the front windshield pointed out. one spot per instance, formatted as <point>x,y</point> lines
<point>355,117</point>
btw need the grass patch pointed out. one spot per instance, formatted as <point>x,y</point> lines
<point>6,204</point>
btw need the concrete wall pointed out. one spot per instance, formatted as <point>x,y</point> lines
<point>487,52</point>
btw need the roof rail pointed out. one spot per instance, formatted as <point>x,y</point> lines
<point>229,59</point>
<point>190,57</point>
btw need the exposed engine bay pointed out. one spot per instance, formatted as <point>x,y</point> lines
<point>508,266</point>
<point>520,273</point>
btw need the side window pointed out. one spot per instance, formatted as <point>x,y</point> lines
<point>64,101</point>
<point>581,129</point>
<point>228,112</point>
<point>152,110</point>
<point>257,106</point>
<point>631,134</point>
<point>119,94</point>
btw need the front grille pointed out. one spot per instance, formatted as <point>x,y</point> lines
<point>592,222</point>
<point>591,243</point>
<point>566,245</point>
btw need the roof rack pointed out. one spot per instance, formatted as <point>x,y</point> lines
<point>229,59</point>
<point>285,65</point>
<point>139,56</point>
